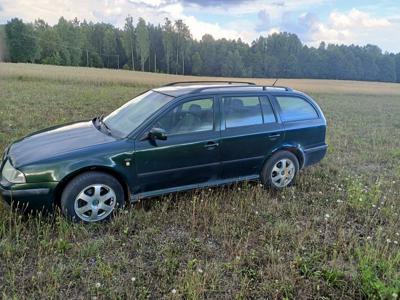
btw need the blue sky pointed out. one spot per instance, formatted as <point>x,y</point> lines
<point>336,21</point>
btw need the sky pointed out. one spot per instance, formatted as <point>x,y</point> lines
<point>335,21</point>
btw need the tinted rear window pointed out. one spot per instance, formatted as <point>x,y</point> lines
<point>296,109</point>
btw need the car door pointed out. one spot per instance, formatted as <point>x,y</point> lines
<point>249,132</point>
<point>189,155</point>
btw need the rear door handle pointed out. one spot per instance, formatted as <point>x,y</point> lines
<point>274,136</point>
<point>211,145</point>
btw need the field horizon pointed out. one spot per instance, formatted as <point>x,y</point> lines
<point>126,77</point>
<point>334,235</point>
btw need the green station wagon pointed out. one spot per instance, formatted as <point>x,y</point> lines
<point>177,137</point>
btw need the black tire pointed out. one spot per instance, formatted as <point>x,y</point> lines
<point>85,183</point>
<point>268,172</point>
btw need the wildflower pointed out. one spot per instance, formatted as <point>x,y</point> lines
<point>339,201</point>
<point>369,238</point>
<point>397,233</point>
<point>395,242</point>
<point>98,284</point>
<point>237,257</point>
<point>388,241</point>
<point>256,212</point>
<point>327,216</point>
<point>200,271</point>
<point>173,291</point>
<point>133,279</point>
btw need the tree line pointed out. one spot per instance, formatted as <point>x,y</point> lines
<point>170,48</point>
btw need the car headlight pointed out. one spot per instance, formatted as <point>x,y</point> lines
<point>11,174</point>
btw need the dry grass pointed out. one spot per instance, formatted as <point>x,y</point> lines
<point>124,77</point>
<point>334,235</point>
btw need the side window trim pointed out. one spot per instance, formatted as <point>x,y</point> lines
<point>182,102</point>
<point>265,100</point>
<point>261,109</point>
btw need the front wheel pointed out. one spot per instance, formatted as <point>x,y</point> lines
<point>280,170</point>
<point>92,197</point>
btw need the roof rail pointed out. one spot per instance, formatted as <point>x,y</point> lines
<point>288,89</point>
<point>264,88</point>
<point>209,81</point>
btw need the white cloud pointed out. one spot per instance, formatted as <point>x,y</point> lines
<point>355,27</point>
<point>199,28</point>
<point>356,17</point>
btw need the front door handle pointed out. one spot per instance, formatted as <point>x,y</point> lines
<point>274,136</point>
<point>211,145</point>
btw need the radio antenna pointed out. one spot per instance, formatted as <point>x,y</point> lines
<point>275,82</point>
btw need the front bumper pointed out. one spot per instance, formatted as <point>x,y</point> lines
<point>31,196</point>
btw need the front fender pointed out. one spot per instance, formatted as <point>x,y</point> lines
<point>56,169</point>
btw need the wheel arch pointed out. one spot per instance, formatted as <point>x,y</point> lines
<point>296,150</point>
<point>67,179</point>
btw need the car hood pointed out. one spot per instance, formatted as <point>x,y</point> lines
<point>56,141</point>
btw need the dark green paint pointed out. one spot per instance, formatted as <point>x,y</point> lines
<point>146,167</point>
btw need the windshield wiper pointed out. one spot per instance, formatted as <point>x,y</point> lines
<point>101,122</point>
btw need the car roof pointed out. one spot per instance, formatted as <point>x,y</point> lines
<point>182,90</point>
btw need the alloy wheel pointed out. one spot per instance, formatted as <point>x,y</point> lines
<point>283,172</point>
<point>95,202</point>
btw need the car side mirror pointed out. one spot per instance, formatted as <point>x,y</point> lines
<point>157,134</point>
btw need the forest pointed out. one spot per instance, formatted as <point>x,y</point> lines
<point>170,48</point>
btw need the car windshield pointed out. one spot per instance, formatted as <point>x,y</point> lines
<point>132,114</point>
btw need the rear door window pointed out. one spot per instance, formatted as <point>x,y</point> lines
<point>295,109</point>
<point>242,111</point>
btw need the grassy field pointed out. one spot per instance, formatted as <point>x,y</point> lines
<point>336,234</point>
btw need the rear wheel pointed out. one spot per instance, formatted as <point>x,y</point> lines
<point>280,170</point>
<point>92,197</point>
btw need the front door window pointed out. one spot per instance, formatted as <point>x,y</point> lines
<point>189,117</point>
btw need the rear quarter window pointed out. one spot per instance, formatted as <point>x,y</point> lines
<point>295,109</point>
